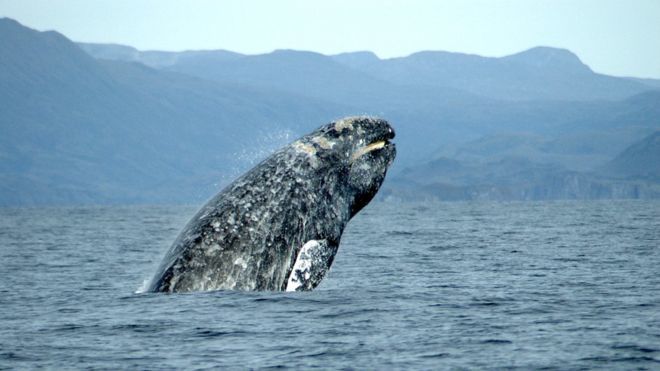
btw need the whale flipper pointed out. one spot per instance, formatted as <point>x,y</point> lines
<point>312,263</point>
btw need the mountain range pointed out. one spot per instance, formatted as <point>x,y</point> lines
<point>101,123</point>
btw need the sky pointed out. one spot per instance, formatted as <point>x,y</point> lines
<point>615,37</point>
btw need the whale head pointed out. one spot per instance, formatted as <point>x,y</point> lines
<point>360,147</point>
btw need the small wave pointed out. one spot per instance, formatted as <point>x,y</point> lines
<point>350,313</point>
<point>213,334</point>
<point>206,332</point>
<point>140,327</point>
<point>435,355</point>
<point>486,304</point>
<point>69,327</point>
<point>497,341</point>
<point>444,247</point>
<point>636,348</point>
<point>12,356</point>
<point>399,233</point>
<point>621,359</point>
<point>68,310</point>
<point>301,297</point>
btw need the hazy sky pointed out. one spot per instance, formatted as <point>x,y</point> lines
<point>614,37</point>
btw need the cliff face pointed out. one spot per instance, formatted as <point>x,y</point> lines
<point>554,187</point>
<point>633,173</point>
<point>639,161</point>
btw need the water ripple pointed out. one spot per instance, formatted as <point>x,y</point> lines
<point>539,285</point>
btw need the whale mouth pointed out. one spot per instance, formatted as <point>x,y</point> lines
<point>369,148</point>
<point>379,142</point>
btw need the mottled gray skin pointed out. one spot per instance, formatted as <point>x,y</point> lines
<point>249,235</point>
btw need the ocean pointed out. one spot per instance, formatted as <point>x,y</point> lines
<point>516,285</point>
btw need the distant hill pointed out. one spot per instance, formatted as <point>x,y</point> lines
<point>296,72</point>
<point>639,161</point>
<point>95,123</point>
<point>158,59</point>
<point>540,73</point>
<point>80,130</point>
<point>357,60</point>
<point>654,83</point>
<point>577,151</point>
<point>437,98</point>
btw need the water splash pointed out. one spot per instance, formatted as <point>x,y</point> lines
<point>264,144</point>
<point>143,287</point>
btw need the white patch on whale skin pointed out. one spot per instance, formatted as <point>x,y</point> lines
<point>213,249</point>
<point>346,123</point>
<point>323,142</point>
<point>303,266</point>
<point>240,262</point>
<point>304,147</point>
<point>308,150</point>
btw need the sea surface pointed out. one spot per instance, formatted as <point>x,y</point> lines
<point>556,285</point>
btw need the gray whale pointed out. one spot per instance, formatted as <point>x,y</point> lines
<point>278,226</point>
